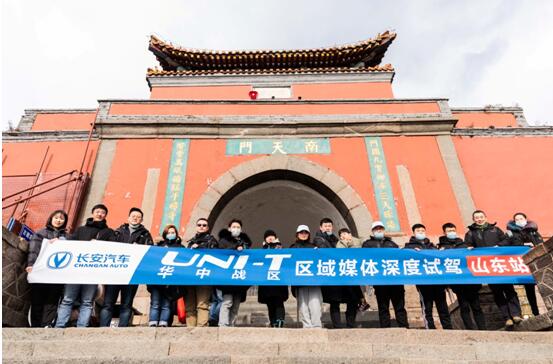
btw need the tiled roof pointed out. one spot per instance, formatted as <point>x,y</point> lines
<point>368,53</point>
<point>156,72</point>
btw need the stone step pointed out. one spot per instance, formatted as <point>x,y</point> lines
<point>264,345</point>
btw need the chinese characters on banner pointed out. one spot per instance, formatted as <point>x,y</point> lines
<point>381,182</point>
<point>100,262</point>
<point>175,183</point>
<point>278,146</point>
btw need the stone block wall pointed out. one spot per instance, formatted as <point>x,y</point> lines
<point>16,298</point>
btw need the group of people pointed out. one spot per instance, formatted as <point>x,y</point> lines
<point>52,304</point>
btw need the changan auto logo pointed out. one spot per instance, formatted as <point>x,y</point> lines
<point>59,260</point>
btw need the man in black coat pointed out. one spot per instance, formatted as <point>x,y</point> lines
<point>95,228</point>
<point>467,294</point>
<point>198,297</point>
<point>385,294</point>
<point>430,294</point>
<point>334,295</point>
<point>133,232</point>
<point>482,234</point>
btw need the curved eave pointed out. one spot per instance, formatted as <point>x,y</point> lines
<point>369,52</point>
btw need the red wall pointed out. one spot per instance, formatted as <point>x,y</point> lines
<point>63,121</point>
<point>26,157</point>
<point>310,91</point>
<point>485,120</point>
<point>510,174</point>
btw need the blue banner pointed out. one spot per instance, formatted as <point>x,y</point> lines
<point>65,261</point>
<point>333,267</point>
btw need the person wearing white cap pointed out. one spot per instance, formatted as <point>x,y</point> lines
<point>309,298</point>
<point>385,294</point>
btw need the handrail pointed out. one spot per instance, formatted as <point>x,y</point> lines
<point>40,184</point>
<point>40,193</point>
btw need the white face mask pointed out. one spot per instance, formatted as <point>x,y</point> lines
<point>451,235</point>
<point>420,236</point>
<point>171,236</point>
<point>379,235</point>
<point>235,232</point>
<point>521,223</point>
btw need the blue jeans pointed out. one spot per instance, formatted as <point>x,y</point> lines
<point>216,300</point>
<point>72,292</point>
<point>110,297</point>
<point>160,307</point>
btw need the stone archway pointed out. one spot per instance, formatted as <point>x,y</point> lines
<point>283,168</point>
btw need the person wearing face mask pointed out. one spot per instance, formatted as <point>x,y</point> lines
<point>45,297</point>
<point>232,238</point>
<point>132,232</point>
<point>162,297</point>
<point>198,297</point>
<point>523,232</point>
<point>385,294</point>
<point>429,294</point>
<point>95,228</point>
<point>309,298</point>
<point>467,294</point>
<point>273,296</point>
<point>482,234</point>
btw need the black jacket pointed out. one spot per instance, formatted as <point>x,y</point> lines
<point>414,243</point>
<point>447,243</point>
<point>204,241</point>
<point>487,236</point>
<point>140,235</point>
<point>98,230</point>
<point>305,244</point>
<point>521,235</point>
<point>372,242</point>
<point>49,232</point>
<point>322,240</point>
<point>171,292</point>
<point>227,241</point>
<point>301,244</point>
<point>269,294</point>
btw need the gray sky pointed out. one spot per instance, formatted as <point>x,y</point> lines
<point>68,54</point>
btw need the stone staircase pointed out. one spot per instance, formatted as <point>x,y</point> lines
<point>266,345</point>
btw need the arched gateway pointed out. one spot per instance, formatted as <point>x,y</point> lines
<point>279,192</point>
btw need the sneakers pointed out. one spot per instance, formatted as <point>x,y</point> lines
<point>509,323</point>
<point>517,319</point>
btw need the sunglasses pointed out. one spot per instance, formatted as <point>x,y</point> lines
<point>201,225</point>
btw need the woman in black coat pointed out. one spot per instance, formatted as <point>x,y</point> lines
<point>522,231</point>
<point>45,297</point>
<point>162,298</point>
<point>273,296</point>
<point>234,239</point>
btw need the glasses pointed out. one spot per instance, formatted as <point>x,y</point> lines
<point>202,225</point>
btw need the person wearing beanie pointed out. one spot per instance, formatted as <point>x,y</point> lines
<point>273,296</point>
